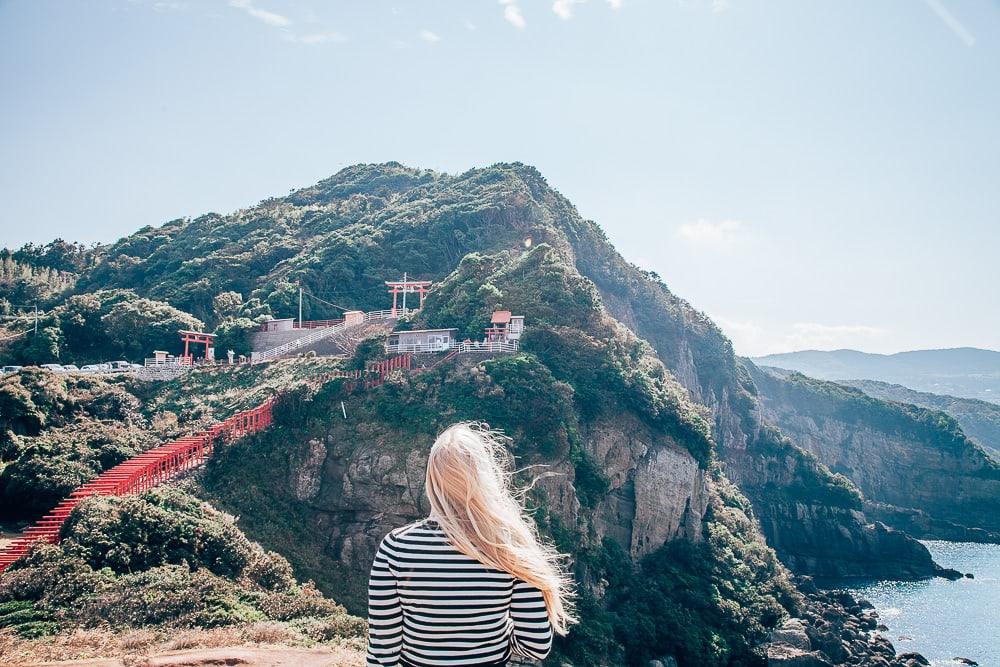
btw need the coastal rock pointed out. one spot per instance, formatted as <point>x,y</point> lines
<point>792,633</point>
<point>788,656</point>
<point>912,660</point>
<point>948,573</point>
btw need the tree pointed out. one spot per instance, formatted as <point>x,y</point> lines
<point>227,305</point>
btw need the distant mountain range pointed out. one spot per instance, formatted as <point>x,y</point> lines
<point>965,372</point>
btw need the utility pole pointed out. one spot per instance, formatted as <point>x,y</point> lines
<point>36,319</point>
<point>404,292</point>
<point>300,303</point>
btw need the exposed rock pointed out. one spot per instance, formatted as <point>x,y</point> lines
<point>792,633</point>
<point>907,460</point>
<point>787,656</point>
<point>306,474</point>
<point>948,573</point>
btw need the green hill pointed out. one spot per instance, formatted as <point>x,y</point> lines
<point>664,472</point>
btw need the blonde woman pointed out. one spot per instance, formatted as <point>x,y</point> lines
<point>472,584</point>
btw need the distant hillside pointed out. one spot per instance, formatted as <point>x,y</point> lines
<point>966,372</point>
<point>918,470</point>
<point>979,419</point>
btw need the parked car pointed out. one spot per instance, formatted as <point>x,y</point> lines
<point>91,368</point>
<point>7,370</point>
<point>55,368</point>
<point>71,368</point>
<point>120,366</point>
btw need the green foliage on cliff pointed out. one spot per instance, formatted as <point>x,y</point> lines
<point>163,558</point>
<point>59,431</point>
<point>708,603</point>
<point>605,364</point>
<point>980,420</point>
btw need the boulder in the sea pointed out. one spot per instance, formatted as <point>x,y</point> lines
<point>912,660</point>
<point>948,573</point>
<point>967,661</point>
<point>969,575</point>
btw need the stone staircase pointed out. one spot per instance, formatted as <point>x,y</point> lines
<point>344,336</point>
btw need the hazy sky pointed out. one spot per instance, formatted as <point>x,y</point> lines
<point>810,174</point>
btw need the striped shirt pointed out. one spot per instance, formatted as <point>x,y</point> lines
<point>431,605</point>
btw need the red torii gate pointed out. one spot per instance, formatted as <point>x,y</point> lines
<point>404,287</point>
<point>200,337</point>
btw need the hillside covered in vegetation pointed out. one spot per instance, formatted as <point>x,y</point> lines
<point>980,420</point>
<point>908,460</point>
<point>658,473</point>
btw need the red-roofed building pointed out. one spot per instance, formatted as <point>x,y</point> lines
<point>504,326</point>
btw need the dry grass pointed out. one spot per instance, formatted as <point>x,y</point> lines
<point>134,646</point>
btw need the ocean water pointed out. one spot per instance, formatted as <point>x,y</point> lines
<point>945,619</point>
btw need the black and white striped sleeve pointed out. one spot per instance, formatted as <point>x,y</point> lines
<point>385,615</point>
<point>532,636</point>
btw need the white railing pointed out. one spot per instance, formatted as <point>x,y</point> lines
<point>418,348</point>
<point>317,335</point>
<point>471,347</point>
<point>388,314</point>
<point>168,361</point>
<point>487,346</point>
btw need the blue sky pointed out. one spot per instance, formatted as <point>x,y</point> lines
<point>810,174</point>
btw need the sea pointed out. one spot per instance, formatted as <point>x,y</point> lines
<point>942,619</point>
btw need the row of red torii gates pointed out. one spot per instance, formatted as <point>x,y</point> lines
<point>158,465</point>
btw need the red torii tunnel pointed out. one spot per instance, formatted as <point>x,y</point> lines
<point>199,337</point>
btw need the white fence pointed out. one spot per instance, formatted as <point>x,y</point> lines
<point>471,347</point>
<point>317,335</point>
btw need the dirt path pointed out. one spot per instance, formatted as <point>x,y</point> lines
<point>258,656</point>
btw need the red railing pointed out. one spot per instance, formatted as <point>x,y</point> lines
<point>375,373</point>
<point>158,465</point>
<point>140,473</point>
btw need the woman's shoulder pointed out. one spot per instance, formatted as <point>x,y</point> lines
<point>425,527</point>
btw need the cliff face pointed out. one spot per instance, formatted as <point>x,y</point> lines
<point>359,481</point>
<point>902,457</point>
<point>813,518</point>
<point>980,420</point>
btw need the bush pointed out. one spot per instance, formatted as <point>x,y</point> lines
<point>155,529</point>
<point>167,594</point>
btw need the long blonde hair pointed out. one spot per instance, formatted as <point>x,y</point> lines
<point>474,499</point>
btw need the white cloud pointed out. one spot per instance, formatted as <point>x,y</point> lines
<point>429,36</point>
<point>708,233</point>
<point>953,23</point>
<point>616,4</point>
<point>469,25</point>
<point>750,338</point>
<point>512,14</point>
<point>719,6</point>
<point>270,18</point>
<point>564,8</point>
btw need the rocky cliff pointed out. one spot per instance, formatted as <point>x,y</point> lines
<point>980,420</point>
<point>812,517</point>
<point>915,466</point>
